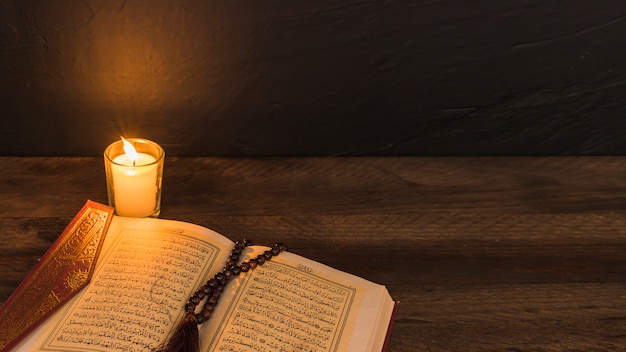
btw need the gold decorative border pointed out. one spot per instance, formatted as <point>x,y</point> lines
<point>61,273</point>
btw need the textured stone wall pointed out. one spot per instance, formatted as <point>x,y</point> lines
<point>336,77</point>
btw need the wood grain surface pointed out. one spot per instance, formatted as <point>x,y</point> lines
<point>484,254</point>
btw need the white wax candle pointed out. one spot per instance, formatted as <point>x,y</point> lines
<point>135,187</point>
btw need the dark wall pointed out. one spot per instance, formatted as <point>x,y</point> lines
<point>336,77</point>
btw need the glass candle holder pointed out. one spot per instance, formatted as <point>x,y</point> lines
<point>134,179</point>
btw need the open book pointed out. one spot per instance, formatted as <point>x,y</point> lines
<point>148,269</point>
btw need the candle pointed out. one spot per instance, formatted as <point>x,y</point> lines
<point>134,177</point>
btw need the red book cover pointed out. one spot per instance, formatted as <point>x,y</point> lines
<point>62,272</point>
<point>389,328</point>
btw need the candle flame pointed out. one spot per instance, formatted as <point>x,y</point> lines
<point>130,151</point>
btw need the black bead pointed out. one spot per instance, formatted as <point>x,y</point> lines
<point>200,294</point>
<point>267,255</point>
<point>199,318</point>
<point>194,300</point>
<point>260,259</point>
<point>245,267</point>
<point>253,263</point>
<point>275,251</point>
<point>221,278</point>
<point>190,307</point>
<point>247,242</point>
<point>212,283</point>
<point>212,300</point>
<point>206,314</point>
<point>206,289</point>
<point>191,317</point>
<point>236,270</point>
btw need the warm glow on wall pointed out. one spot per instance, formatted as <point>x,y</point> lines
<point>126,66</point>
<point>139,65</point>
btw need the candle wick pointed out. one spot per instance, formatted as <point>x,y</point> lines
<point>134,161</point>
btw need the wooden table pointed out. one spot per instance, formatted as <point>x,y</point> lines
<point>485,254</point>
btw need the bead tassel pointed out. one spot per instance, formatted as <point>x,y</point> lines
<point>186,337</point>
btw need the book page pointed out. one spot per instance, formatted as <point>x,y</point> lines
<point>149,268</point>
<point>147,271</point>
<point>295,304</point>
